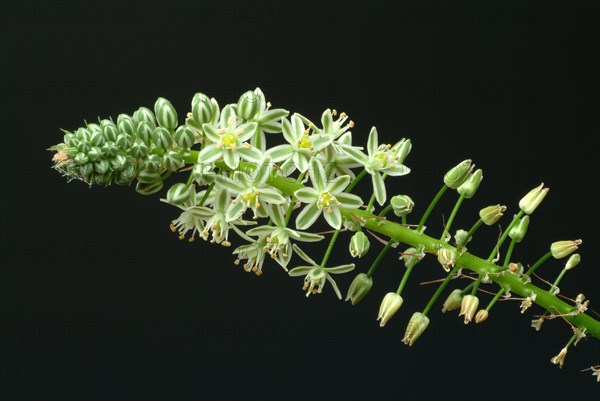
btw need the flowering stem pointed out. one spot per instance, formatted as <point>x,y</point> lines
<point>452,216</point>
<point>356,180</point>
<point>559,278</point>
<point>476,285</point>
<point>380,257</point>
<point>385,211</point>
<point>330,248</point>
<point>537,264</point>
<point>440,289</point>
<point>514,221</point>
<point>432,205</point>
<point>467,288</point>
<point>208,191</point>
<point>509,252</point>
<point>473,229</point>
<point>500,292</point>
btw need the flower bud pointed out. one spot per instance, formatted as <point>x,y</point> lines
<point>458,174</point>
<point>83,134</point>
<point>179,193</point>
<point>103,179</point>
<point>162,138</point>
<point>560,358</point>
<point>470,186</point>
<point>93,128</point>
<point>247,105</point>
<point>481,316</point>
<point>360,287</point>
<point>416,326</point>
<point>468,307</point>
<point>173,161</point>
<point>573,261</point>
<point>447,258</point>
<point>532,200</point>
<point>519,230</point>
<point>561,249</point>
<point>97,139</point>
<point>109,149</point>
<point>462,238</point>
<point>127,174</point>
<point>144,131</point>
<point>184,137</point>
<point>143,114</point>
<point>109,130</point>
<point>153,162</point>
<point>148,175</point>
<point>86,171</point>
<point>139,149</point>
<point>81,158</point>
<point>402,205</point>
<point>389,306</point>
<point>491,214</point>
<point>149,188</point>
<point>165,113</point>
<point>124,141</point>
<point>202,110</point>
<point>411,256</point>
<point>101,166</point>
<point>125,124</point>
<point>453,301</point>
<point>117,163</point>
<point>94,154</point>
<point>359,244</point>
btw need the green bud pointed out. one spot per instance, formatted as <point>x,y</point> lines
<point>93,128</point>
<point>519,230</point>
<point>162,138</point>
<point>125,124</point>
<point>491,214</point>
<point>416,326</point>
<point>447,258</point>
<point>148,176</point>
<point>247,105</point>
<point>532,200</point>
<point>470,186</point>
<point>202,110</point>
<point>109,149</point>
<point>454,301</point>
<point>458,174</point>
<point>411,256</point>
<point>179,193</point>
<point>81,158</point>
<point>86,171</point>
<point>402,149</point>
<point>149,188</point>
<point>117,163</point>
<point>573,261</point>
<point>402,205</point>
<point>83,146</point>
<point>138,149</point>
<point>143,114</point>
<point>165,114</point>
<point>360,287</point>
<point>144,131</point>
<point>70,140</point>
<point>103,179</point>
<point>109,130</point>
<point>173,161</point>
<point>101,166</point>
<point>94,153</point>
<point>389,306</point>
<point>83,134</point>
<point>126,175</point>
<point>184,137</point>
<point>359,244</point>
<point>124,141</point>
<point>462,238</point>
<point>153,162</point>
<point>97,139</point>
<point>561,249</point>
<point>72,152</point>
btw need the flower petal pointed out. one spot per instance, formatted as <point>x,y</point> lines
<point>304,236</point>
<point>335,286</point>
<point>248,130</point>
<point>334,218</point>
<point>231,158</point>
<point>397,170</point>
<point>277,215</point>
<point>261,231</point>
<point>300,271</point>
<point>373,142</point>
<point>379,187</point>
<point>350,201</point>
<point>280,153</point>
<point>304,256</point>
<point>317,174</point>
<point>298,126</point>
<point>233,185</point>
<point>271,195</point>
<point>250,154</point>
<point>288,132</point>
<point>327,121</point>
<point>210,154</point>
<point>211,132</point>
<point>235,210</point>
<point>301,160</point>
<point>307,216</point>
<point>355,153</point>
<point>340,269</point>
<point>338,184</point>
<point>222,200</point>
<point>307,195</point>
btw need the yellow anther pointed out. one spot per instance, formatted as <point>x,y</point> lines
<point>268,104</point>
<point>190,115</point>
<point>226,243</point>
<point>329,210</point>
<point>221,131</point>
<point>182,237</point>
<point>254,269</point>
<point>259,272</point>
<point>247,145</point>
<point>191,239</point>
<point>351,124</point>
<point>172,227</point>
<point>343,114</point>
<point>334,112</point>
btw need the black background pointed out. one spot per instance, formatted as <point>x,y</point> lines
<point>98,300</point>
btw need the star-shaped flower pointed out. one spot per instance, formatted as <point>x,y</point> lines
<point>316,276</point>
<point>326,196</point>
<point>299,148</point>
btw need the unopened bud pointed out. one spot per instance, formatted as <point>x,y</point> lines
<point>416,326</point>
<point>389,306</point>
<point>402,205</point>
<point>179,193</point>
<point>447,258</point>
<point>458,174</point>
<point>561,249</point>
<point>359,244</point>
<point>468,307</point>
<point>573,261</point>
<point>491,214</point>
<point>519,230</point>
<point>532,200</point>
<point>453,301</point>
<point>360,287</point>
<point>481,316</point>
<point>462,238</point>
<point>470,186</point>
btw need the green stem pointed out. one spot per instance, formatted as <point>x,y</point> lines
<point>473,229</point>
<point>385,211</point>
<point>330,248</point>
<point>537,264</point>
<point>380,257</point>
<point>559,278</point>
<point>514,221</point>
<point>476,284</point>
<point>166,176</point>
<point>356,180</point>
<point>406,275</point>
<point>439,291</point>
<point>467,288</point>
<point>500,292</point>
<point>288,213</point>
<point>459,202</point>
<point>509,252</point>
<point>432,205</point>
<point>208,191</point>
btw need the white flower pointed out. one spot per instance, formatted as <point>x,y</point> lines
<point>325,196</point>
<point>267,120</point>
<point>299,149</point>
<point>251,189</point>
<point>381,159</point>
<point>229,141</point>
<point>276,238</point>
<point>331,129</point>
<point>254,255</point>
<point>316,275</point>
<point>560,358</point>
<point>537,323</point>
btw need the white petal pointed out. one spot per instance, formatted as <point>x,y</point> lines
<point>288,131</point>
<point>327,121</point>
<point>250,154</point>
<point>338,184</point>
<point>317,174</point>
<point>300,271</point>
<point>222,200</point>
<point>271,195</point>
<point>231,158</point>
<point>226,182</point>
<point>334,218</point>
<point>235,210</point>
<point>335,286</point>
<point>304,256</point>
<point>308,216</point>
<point>307,195</point>
<point>298,126</point>
<point>249,129</point>
<point>277,215</point>
<point>340,269</point>
<point>301,160</point>
<point>304,236</point>
<point>379,188</point>
<point>211,132</point>
<point>261,231</point>
<point>280,153</point>
<point>372,142</point>
<point>350,201</point>
<point>355,153</point>
<point>396,171</point>
<point>210,154</point>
